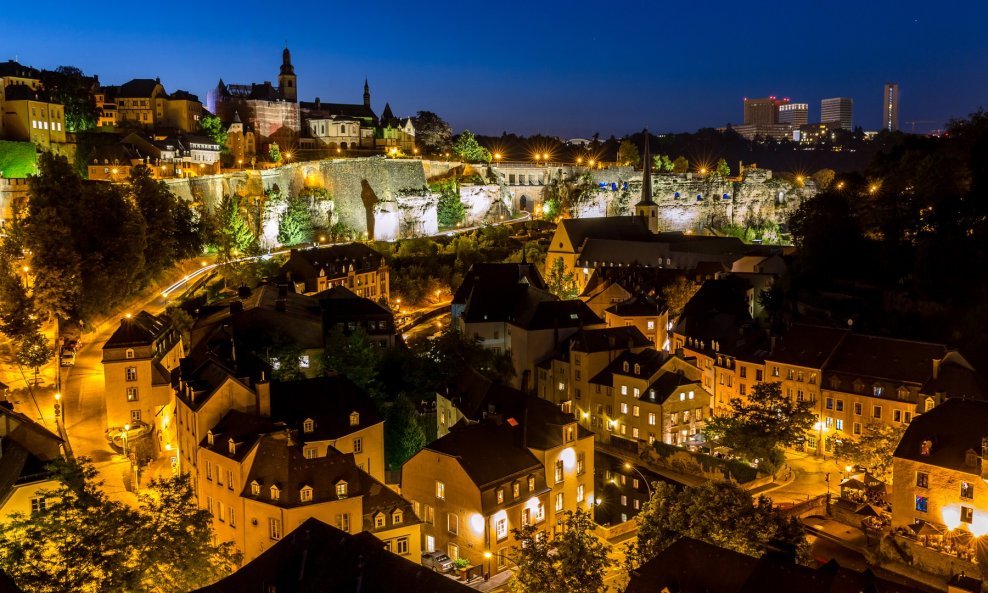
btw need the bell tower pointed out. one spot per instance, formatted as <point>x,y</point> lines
<point>646,207</point>
<point>366,94</point>
<point>287,83</point>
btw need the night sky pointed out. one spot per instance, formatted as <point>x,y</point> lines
<point>539,66</point>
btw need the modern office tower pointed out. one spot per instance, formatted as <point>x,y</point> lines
<point>890,107</point>
<point>838,110</point>
<point>797,114</point>
<point>762,111</point>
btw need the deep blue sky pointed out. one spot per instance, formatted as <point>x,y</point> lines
<point>568,68</point>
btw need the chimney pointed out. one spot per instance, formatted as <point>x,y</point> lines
<point>936,368</point>
<point>262,390</point>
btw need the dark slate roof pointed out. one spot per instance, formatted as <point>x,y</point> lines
<point>639,306</point>
<point>334,259</point>
<point>261,92</point>
<point>953,428</point>
<point>611,338</point>
<point>485,278</point>
<point>318,558</point>
<point>138,87</point>
<point>536,314</point>
<point>956,379</point>
<point>692,566</point>
<point>245,430</point>
<point>15,69</point>
<point>26,450</point>
<point>666,384</point>
<point>641,280</point>
<point>184,95</point>
<point>471,445</point>
<point>606,227</point>
<point>341,302</point>
<point>648,360</point>
<point>22,92</point>
<point>807,345</point>
<point>328,401</point>
<point>354,110</point>
<point>140,330</point>
<point>895,360</point>
<point>299,323</point>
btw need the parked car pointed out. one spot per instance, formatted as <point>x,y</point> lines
<point>67,357</point>
<point>437,561</point>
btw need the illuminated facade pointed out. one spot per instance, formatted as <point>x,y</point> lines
<point>839,111</point>
<point>890,107</point>
<point>797,114</point>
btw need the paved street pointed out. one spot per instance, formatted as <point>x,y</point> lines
<point>810,479</point>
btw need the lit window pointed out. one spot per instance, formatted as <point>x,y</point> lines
<point>531,483</point>
<point>309,425</point>
<point>379,521</point>
<point>922,503</point>
<point>397,517</point>
<point>129,353</point>
<point>274,528</point>
<point>967,490</point>
<point>275,493</point>
<point>358,445</point>
<point>255,488</point>
<point>452,523</point>
<point>440,490</point>
<point>500,495</point>
<point>579,493</point>
<point>131,373</point>
<point>341,490</point>
<point>354,419</point>
<point>501,528</point>
<point>967,514</point>
<point>132,394</point>
<point>305,494</point>
<point>559,501</point>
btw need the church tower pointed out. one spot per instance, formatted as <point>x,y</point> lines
<point>287,83</point>
<point>646,207</point>
<point>366,94</point>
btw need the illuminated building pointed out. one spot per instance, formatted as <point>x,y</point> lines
<point>763,111</point>
<point>890,107</point>
<point>796,114</point>
<point>838,110</point>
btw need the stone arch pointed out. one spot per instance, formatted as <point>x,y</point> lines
<point>523,202</point>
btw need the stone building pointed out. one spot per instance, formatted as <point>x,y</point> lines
<point>27,113</point>
<point>144,103</point>
<point>354,266</point>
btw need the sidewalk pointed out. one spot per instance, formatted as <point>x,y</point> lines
<point>496,581</point>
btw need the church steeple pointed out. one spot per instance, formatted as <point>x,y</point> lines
<point>287,82</point>
<point>646,206</point>
<point>366,93</point>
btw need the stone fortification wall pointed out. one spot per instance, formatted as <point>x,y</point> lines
<point>484,203</point>
<point>383,198</point>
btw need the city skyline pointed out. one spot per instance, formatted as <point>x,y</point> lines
<point>537,79</point>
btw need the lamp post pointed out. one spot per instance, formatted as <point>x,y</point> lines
<point>125,431</point>
<point>648,486</point>
<point>487,556</point>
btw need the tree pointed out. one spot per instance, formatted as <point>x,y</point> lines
<point>467,148</point>
<point>432,133</point>
<point>560,282</point>
<point>354,356</point>
<point>452,354</point>
<point>285,359</point>
<point>628,153</point>
<point>450,210</point>
<point>758,428</point>
<point>213,127</point>
<point>722,168</point>
<point>680,165</point>
<point>236,237</point>
<point>403,435</point>
<point>662,163</point>
<point>295,223</point>
<point>574,561</point>
<point>68,86</point>
<point>34,352</point>
<point>274,153</point>
<point>84,541</point>
<point>829,238</point>
<point>823,178</point>
<point>677,294</point>
<point>720,513</point>
<point>18,319</point>
<point>872,450</point>
<point>157,205</point>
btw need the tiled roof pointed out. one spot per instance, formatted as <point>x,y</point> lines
<point>335,260</point>
<point>903,361</point>
<point>318,558</point>
<point>471,445</point>
<point>607,227</point>
<point>328,401</point>
<point>952,429</point>
<point>354,110</point>
<point>808,346</point>
<point>486,278</point>
<point>245,430</point>
<point>639,306</point>
<point>605,339</point>
<point>138,87</point>
<point>140,330</point>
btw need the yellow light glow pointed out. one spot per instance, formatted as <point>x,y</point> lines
<point>497,156</point>
<point>848,468</point>
<point>532,503</point>
<point>951,517</point>
<point>58,396</point>
<point>487,555</point>
<point>477,523</point>
<point>568,457</point>
<point>128,315</point>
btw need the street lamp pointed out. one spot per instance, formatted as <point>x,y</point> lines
<point>126,430</point>
<point>58,407</point>
<point>487,556</point>
<point>648,486</point>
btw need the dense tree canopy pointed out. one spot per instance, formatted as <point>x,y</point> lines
<point>71,88</point>
<point>872,450</point>
<point>628,153</point>
<point>467,148</point>
<point>432,134</point>
<point>574,561</point>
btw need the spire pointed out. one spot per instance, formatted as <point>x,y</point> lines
<point>646,173</point>
<point>236,117</point>
<point>286,62</point>
<point>367,101</point>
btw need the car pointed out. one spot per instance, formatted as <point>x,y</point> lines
<point>68,357</point>
<point>437,561</point>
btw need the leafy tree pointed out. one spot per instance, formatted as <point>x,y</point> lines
<point>18,319</point>
<point>467,148</point>
<point>628,153</point>
<point>662,163</point>
<point>823,178</point>
<point>295,223</point>
<point>71,88</point>
<point>720,513</point>
<point>560,282</point>
<point>450,210</point>
<point>83,541</point>
<point>453,354</point>
<point>34,352</point>
<point>574,561</point>
<point>677,294</point>
<point>355,356</point>
<point>403,435</point>
<point>213,127</point>
<point>722,168</point>
<point>432,133</point>
<point>157,205</point>
<point>872,450</point>
<point>286,362</point>
<point>181,320</point>
<point>274,153</point>
<point>758,428</point>
<point>17,159</point>
<point>680,165</point>
<point>236,238</point>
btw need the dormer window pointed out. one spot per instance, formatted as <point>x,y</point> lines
<point>305,494</point>
<point>626,366</point>
<point>531,483</point>
<point>971,459</point>
<point>354,418</point>
<point>397,517</point>
<point>308,425</point>
<point>129,353</point>
<point>275,493</point>
<point>209,438</point>
<point>232,446</point>
<point>925,448</point>
<point>379,520</point>
<point>255,488</point>
<point>569,434</point>
<point>341,489</point>
<point>638,369</point>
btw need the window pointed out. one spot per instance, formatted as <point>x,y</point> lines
<point>967,490</point>
<point>922,503</point>
<point>452,523</point>
<point>651,418</point>
<point>341,489</point>
<point>379,521</point>
<point>839,424</point>
<point>440,490</point>
<point>401,545</point>
<point>922,480</point>
<point>500,495</point>
<point>308,425</point>
<point>579,493</point>
<point>876,412</point>
<point>531,483</point>
<point>857,428</point>
<point>132,394</point>
<point>255,488</point>
<point>274,529</point>
<point>429,514</point>
<point>967,514</point>
<point>275,493</point>
<point>559,501</point>
<point>501,528</point>
<point>581,459</point>
<point>743,370</point>
<point>131,373</point>
<point>878,390</point>
<point>624,408</point>
<point>559,471</point>
<point>358,445</point>
<point>540,512</point>
<point>305,494</point>
<point>233,517</point>
<point>309,452</point>
<point>515,490</point>
<point>135,415</point>
<point>38,504</point>
<point>129,353</point>
<point>840,405</point>
<point>343,522</point>
<point>758,374</point>
<point>636,392</point>
<point>397,517</point>
<point>354,418</point>
<point>634,409</point>
<point>229,479</point>
<point>897,415</point>
<point>857,409</point>
<point>624,390</point>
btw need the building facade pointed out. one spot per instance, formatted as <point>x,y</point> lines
<point>890,107</point>
<point>838,110</point>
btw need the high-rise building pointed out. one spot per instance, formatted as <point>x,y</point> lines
<point>890,107</point>
<point>797,114</point>
<point>838,110</point>
<point>762,111</point>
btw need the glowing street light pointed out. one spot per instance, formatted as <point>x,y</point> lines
<point>636,470</point>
